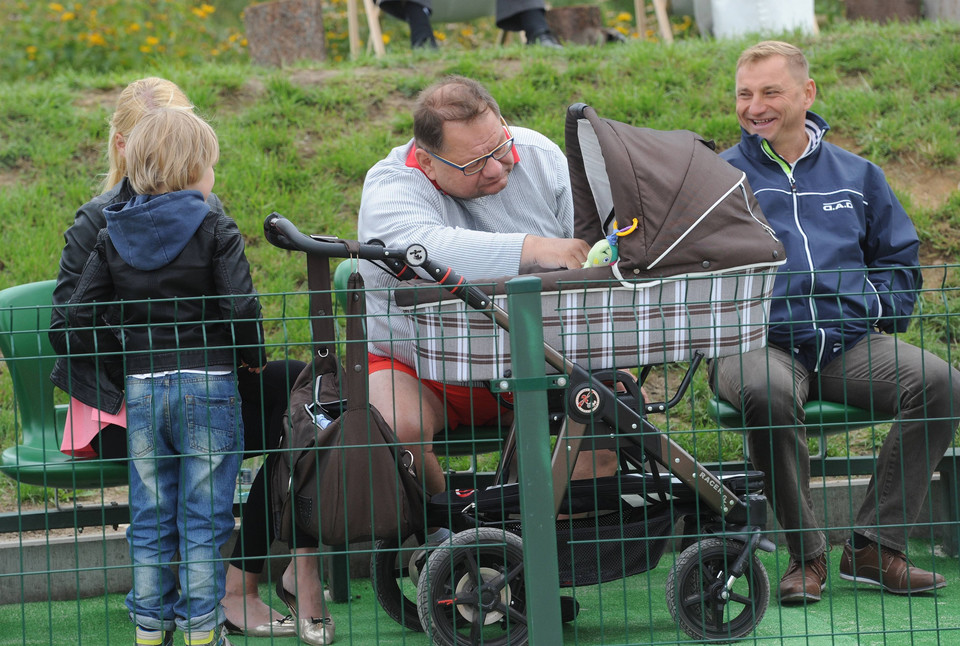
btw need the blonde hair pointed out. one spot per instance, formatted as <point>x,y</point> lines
<point>168,150</point>
<point>136,100</point>
<point>796,61</point>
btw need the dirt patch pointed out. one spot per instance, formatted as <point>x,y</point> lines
<point>106,99</point>
<point>929,187</point>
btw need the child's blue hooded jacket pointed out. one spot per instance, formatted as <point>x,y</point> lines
<point>184,277</point>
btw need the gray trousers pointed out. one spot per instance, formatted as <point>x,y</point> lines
<point>507,10</point>
<point>890,377</point>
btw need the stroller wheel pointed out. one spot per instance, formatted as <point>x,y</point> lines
<point>698,601</point>
<point>472,590</point>
<point>392,585</point>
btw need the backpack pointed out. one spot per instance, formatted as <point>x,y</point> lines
<point>340,474</point>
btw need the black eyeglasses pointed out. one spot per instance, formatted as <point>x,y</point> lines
<point>478,164</point>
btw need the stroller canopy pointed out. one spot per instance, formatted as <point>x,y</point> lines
<point>694,212</point>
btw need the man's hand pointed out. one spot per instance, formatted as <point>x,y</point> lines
<point>553,253</point>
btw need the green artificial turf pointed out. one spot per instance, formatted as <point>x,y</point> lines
<point>628,611</point>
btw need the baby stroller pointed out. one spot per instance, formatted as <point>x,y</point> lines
<point>674,294</point>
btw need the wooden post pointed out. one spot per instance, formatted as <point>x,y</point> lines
<point>666,32</point>
<point>284,31</point>
<point>640,11</point>
<point>375,40</point>
<point>373,22</point>
<point>353,28</point>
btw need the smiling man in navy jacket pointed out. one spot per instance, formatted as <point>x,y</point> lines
<point>847,288</point>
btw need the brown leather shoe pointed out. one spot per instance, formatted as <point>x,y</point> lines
<point>887,568</point>
<point>803,582</point>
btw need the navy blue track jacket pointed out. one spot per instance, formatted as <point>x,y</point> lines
<point>852,250</point>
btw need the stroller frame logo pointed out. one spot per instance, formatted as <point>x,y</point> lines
<point>587,400</point>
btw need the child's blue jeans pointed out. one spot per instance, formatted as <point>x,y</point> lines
<point>185,438</point>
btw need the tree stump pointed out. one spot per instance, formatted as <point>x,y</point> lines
<point>579,24</point>
<point>884,10</point>
<point>284,31</point>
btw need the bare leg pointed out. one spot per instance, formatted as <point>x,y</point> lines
<point>595,464</point>
<point>303,593</point>
<point>415,414</point>
<point>302,577</point>
<point>241,602</point>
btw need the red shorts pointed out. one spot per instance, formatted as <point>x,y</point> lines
<point>464,404</point>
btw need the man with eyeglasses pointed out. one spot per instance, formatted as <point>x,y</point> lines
<point>483,198</point>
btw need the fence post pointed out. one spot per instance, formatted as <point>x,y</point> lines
<point>541,568</point>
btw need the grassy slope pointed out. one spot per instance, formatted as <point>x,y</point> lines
<point>299,140</point>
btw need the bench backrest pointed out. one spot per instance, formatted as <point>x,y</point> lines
<point>29,358</point>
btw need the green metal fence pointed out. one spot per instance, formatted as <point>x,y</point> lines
<point>65,563</point>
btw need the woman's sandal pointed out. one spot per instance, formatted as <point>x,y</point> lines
<point>283,627</point>
<point>318,631</point>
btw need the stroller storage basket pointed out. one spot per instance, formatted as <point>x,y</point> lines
<point>598,324</point>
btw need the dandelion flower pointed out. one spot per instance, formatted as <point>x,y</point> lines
<point>439,35</point>
<point>32,49</point>
<point>55,6</point>
<point>386,39</point>
<point>67,16</point>
<point>623,16</point>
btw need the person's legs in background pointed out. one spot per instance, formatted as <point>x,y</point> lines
<point>417,15</point>
<point>528,16</point>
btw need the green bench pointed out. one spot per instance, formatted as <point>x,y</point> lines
<point>29,358</point>
<point>822,418</point>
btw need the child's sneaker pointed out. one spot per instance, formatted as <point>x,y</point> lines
<point>215,637</point>
<point>148,637</point>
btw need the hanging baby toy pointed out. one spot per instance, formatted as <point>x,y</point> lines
<point>604,252</point>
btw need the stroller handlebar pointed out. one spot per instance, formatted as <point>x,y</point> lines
<point>282,233</point>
